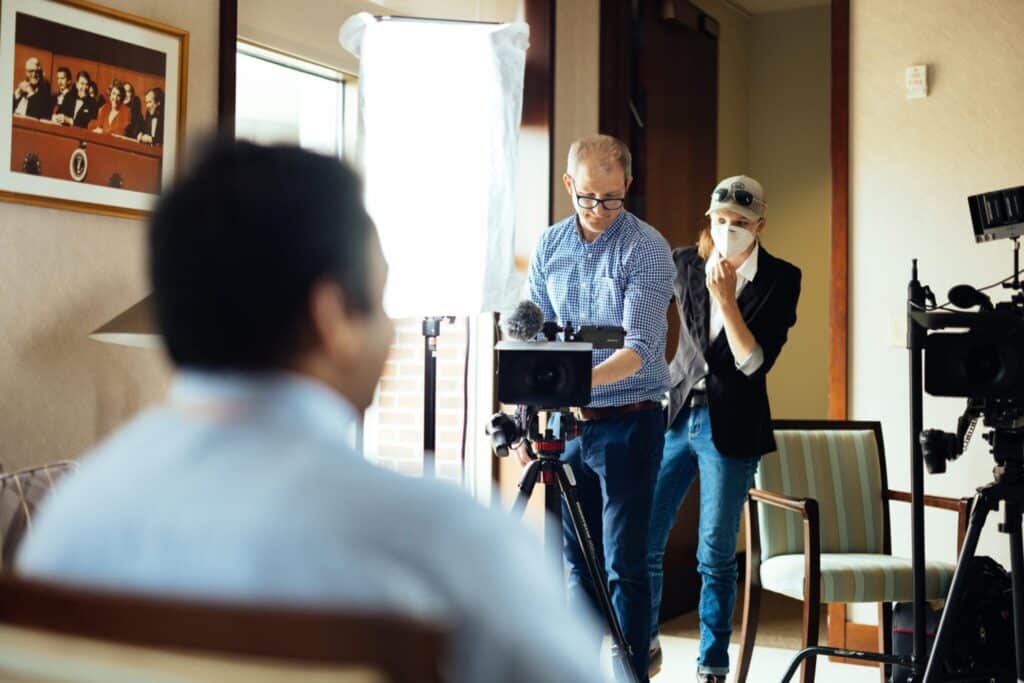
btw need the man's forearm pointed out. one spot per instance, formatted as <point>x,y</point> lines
<point>621,365</point>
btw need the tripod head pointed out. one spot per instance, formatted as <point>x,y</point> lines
<point>544,431</point>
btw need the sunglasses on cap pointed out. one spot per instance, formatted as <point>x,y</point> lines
<point>740,197</point>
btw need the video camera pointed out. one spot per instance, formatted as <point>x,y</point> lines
<point>548,375</point>
<point>984,362</point>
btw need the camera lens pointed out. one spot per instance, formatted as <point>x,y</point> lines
<point>547,376</point>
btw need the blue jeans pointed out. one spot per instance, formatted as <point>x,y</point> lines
<point>616,462</point>
<point>724,483</point>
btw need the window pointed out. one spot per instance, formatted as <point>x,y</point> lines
<point>281,99</point>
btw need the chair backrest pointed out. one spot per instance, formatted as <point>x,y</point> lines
<point>840,464</point>
<point>20,495</point>
<point>88,635</point>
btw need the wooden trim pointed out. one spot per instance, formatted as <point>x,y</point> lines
<point>839,293</point>
<point>227,59</point>
<point>861,637</point>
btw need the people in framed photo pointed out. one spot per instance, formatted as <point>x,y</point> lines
<point>97,105</point>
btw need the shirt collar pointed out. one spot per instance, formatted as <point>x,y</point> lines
<point>608,232</point>
<point>747,269</point>
<point>302,401</point>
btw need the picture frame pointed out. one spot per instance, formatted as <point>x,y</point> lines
<point>97,99</point>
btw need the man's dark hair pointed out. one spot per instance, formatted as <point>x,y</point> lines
<point>237,245</point>
<point>64,70</point>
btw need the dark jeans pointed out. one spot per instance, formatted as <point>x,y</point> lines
<point>724,483</point>
<point>616,462</point>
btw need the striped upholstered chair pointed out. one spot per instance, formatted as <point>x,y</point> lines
<point>818,530</point>
<point>20,494</point>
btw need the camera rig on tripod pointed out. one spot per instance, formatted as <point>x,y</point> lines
<point>984,364</point>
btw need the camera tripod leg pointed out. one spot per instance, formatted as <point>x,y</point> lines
<point>1013,522</point>
<point>943,637</point>
<point>621,652</point>
<point>527,480</point>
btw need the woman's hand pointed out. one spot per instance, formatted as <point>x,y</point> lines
<point>721,281</point>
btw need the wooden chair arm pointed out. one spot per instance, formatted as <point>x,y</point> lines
<point>808,509</point>
<point>961,506</point>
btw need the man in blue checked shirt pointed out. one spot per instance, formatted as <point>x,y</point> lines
<point>604,266</point>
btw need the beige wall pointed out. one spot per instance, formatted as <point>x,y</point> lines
<point>789,130</point>
<point>733,82</point>
<point>577,62</point>
<point>913,163</point>
<point>64,274</point>
<point>774,124</point>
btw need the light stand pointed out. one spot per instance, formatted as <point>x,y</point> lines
<point>431,331</point>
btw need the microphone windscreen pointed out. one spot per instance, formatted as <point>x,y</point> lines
<point>965,296</point>
<point>525,321</point>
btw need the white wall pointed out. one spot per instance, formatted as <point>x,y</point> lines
<point>913,164</point>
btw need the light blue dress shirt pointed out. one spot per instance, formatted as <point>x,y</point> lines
<point>623,278</point>
<point>248,488</point>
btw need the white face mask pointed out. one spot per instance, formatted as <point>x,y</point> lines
<point>731,240</point>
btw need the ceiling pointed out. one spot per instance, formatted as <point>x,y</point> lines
<point>766,6</point>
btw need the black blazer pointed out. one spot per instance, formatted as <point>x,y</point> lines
<point>741,421</point>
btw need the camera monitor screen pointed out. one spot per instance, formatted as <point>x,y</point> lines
<point>544,374</point>
<point>997,215</point>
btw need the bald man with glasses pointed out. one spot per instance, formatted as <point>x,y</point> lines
<point>604,266</point>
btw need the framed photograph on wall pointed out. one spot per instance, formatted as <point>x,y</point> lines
<point>96,103</point>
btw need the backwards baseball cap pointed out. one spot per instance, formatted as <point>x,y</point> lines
<point>741,194</point>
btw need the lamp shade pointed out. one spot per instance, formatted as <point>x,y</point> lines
<point>134,327</point>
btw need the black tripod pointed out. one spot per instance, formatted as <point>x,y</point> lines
<point>1009,488</point>
<point>552,474</point>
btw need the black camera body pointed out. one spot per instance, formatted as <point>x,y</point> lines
<point>984,362</point>
<point>543,374</point>
<point>546,376</point>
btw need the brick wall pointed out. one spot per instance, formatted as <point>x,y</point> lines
<point>397,422</point>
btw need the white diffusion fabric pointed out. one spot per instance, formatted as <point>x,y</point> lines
<point>439,112</point>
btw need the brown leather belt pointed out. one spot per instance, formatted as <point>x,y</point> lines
<point>607,413</point>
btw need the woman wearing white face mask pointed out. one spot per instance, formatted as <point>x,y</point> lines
<point>736,303</point>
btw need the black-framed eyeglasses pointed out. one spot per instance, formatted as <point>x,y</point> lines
<point>741,197</point>
<point>585,202</point>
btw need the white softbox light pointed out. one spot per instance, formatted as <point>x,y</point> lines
<point>439,111</point>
